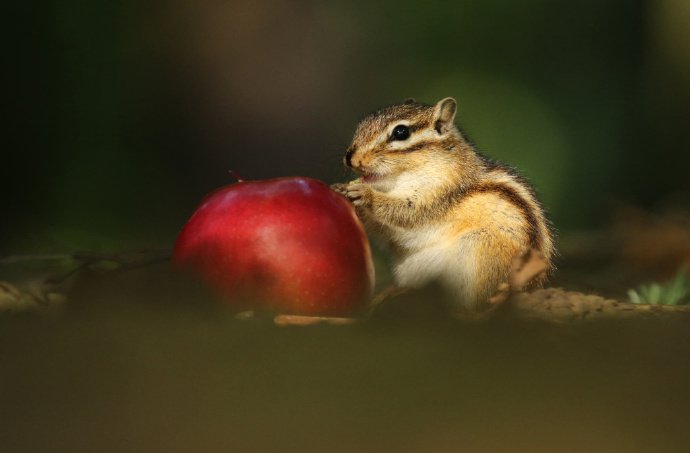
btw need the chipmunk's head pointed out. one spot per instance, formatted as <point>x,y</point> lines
<point>402,137</point>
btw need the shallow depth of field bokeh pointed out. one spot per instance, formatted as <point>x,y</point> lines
<point>124,114</point>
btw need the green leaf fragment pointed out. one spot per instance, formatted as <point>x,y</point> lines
<point>674,292</point>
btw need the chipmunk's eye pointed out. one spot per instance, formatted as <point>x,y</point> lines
<point>400,132</point>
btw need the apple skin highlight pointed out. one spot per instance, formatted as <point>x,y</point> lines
<point>288,245</point>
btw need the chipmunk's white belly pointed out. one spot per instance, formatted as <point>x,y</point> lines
<point>433,253</point>
<point>414,239</point>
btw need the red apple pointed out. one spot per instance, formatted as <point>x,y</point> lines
<point>291,245</point>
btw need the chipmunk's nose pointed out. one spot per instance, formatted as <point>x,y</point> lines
<point>348,157</point>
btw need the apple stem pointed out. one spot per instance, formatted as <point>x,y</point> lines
<point>236,175</point>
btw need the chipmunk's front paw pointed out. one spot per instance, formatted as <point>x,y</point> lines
<point>339,187</point>
<point>359,194</point>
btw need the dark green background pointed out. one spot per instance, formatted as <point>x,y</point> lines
<point>124,114</point>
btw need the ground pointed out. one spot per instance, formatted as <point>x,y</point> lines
<point>140,361</point>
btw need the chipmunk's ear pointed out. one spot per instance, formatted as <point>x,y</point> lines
<point>444,115</point>
<point>409,101</point>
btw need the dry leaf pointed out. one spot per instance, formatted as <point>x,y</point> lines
<point>297,320</point>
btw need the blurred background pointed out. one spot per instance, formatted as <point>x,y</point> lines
<point>124,114</point>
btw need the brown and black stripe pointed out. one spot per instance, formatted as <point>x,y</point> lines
<point>511,195</point>
<point>448,143</point>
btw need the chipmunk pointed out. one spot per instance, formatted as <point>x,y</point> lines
<point>448,213</point>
